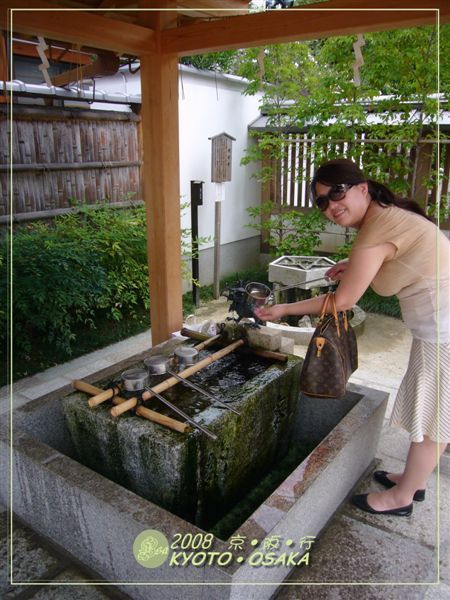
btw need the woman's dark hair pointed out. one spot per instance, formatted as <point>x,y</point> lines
<point>343,170</point>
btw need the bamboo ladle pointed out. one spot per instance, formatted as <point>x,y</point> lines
<point>104,395</point>
<point>146,413</point>
<point>171,381</point>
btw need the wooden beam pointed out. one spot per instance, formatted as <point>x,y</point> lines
<point>59,54</point>
<point>159,81</point>
<point>106,63</point>
<point>149,16</point>
<point>209,6</point>
<point>116,4</point>
<point>77,27</point>
<point>310,22</point>
<point>214,10</point>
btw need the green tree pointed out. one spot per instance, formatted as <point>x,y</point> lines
<point>288,232</point>
<point>223,62</point>
<point>309,86</point>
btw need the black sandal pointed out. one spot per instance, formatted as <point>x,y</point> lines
<point>382,477</point>
<point>360,501</point>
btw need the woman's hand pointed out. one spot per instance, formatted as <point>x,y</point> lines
<point>336,271</point>
<point>271,313</point>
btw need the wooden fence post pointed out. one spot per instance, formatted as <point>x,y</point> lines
<point>3,68</point>
<point>266,196</point>
<point>420,185</point>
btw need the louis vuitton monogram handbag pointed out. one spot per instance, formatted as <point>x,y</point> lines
<point>332,354</point>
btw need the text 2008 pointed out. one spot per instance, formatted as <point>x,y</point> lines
<point>188,541</point>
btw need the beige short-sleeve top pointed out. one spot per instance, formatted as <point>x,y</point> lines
<point>419,272</point>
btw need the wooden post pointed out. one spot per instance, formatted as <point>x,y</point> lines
<point>446,174</point>
<point>159,82</point>
<point>421,185</point>
<point>196,201</point>
<point>266,196</point>
<point>217,228</point>
<point>221,167</point>
<point>3,67</point>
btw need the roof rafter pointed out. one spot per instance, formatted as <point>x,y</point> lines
<point>334,18</point>
<point>21,48</point>
<point>78,27</point>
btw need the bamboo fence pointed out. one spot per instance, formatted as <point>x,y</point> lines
<point>288,186</point>
<point>65,157</point>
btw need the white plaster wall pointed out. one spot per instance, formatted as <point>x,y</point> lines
<point>209,104</point>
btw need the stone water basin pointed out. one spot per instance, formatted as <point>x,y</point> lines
<point>96,519</point>
<point>192,475</point>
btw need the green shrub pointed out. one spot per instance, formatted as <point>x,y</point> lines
<point>84,265</point>
<point>382,305</point>
<point>342,252</point>
<point>289,232</point>
<point>81,269</point>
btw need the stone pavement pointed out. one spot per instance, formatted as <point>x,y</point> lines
<point>398,557</point>
<point>56,377</point>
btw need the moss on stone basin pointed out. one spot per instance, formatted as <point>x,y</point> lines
<point>191,475</point>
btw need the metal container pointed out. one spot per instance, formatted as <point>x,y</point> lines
<point>135,380</point>
<point>158,364</point>
<point>258,293</point>
<point>186,355</point>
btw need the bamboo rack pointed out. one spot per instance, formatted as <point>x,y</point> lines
<point>141,411</point>
<point>171,381</point>
<point>122,405</point>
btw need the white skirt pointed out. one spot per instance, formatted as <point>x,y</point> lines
<point>422,406</point>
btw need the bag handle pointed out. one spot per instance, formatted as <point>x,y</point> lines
<point>323,310</point>
<point>344,316</point>
<point>330,298</point>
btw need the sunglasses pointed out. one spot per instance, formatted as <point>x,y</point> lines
<point>336,193</point>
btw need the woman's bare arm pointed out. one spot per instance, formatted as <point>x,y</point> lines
<point>363,265</point>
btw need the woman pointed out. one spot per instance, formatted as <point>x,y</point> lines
<point>397,250</point>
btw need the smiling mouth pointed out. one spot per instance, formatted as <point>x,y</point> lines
<point>338,213</point>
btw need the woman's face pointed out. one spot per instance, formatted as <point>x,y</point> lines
<point>349,211</point>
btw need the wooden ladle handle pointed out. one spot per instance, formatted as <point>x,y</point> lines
<point>142,411</point>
